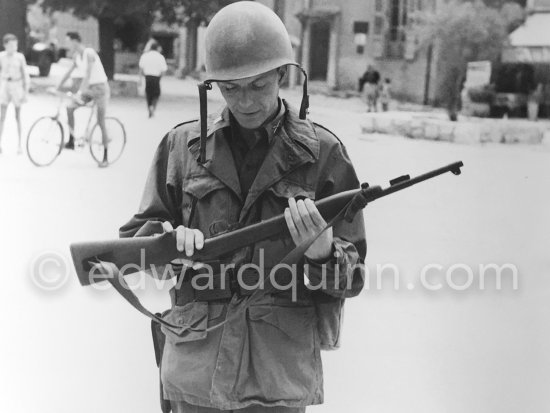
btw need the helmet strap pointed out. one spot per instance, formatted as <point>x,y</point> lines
<point>305,97</point>
<point>203,88</point>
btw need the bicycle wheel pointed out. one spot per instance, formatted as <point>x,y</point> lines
<point>116,141</point>
<point>44,141</point>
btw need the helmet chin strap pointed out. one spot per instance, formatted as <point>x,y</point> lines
<point>304,106</point>
<point>206,86</point>
<point>203,88</point>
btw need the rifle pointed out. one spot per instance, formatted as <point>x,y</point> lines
<point>145,252</point>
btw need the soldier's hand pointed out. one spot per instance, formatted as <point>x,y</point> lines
<point>304,222</point>
<point>187,240</point>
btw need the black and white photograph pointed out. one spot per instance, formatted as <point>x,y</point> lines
<point>275,206</point>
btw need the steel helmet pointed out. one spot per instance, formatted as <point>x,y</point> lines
<point>246,39</point>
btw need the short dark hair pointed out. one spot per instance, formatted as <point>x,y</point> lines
<point>8,38</point>
<point>74,36</point>
<point>154,45</point>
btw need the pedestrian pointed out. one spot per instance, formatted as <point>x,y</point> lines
<point>14,84</point>
<point>152,65</point>
<point>94,86</point>
<point>369,82</point>
<point>258,158</point>
<point>385,94</point>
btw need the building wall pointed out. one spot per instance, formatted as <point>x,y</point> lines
<point>407,75</point>
<point>351,64</point>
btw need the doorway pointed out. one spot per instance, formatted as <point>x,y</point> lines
<point>319,50</point>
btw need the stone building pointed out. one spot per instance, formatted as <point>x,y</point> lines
<point>337,39</point>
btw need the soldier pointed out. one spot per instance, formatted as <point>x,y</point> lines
<point>261,158</point>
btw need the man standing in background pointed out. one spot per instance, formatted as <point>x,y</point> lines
<point>152,65</point>
<point>369,85</point>
<point>14,83</point>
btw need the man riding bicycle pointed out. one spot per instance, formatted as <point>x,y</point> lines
<point>94,87</point>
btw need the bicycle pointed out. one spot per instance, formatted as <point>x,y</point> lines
<point>46,137</point>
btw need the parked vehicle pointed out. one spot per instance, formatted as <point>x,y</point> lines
<point>42,55</point>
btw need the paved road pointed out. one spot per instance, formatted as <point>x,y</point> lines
<point>410,350</point>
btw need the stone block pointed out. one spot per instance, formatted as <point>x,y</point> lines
<point>401,127</point>
<point>368,125</point>
<point>431,131</point>
<point>126,88</point>
<point>467,132</point>
<point>522,134</point>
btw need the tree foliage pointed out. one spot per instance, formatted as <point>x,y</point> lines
<point>183,11</point>
<point>126,15</point>
<point>464,32</point>
<point>118,9</point>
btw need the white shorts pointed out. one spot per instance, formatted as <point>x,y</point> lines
<point>12,91</point>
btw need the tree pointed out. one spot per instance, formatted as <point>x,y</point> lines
<point>191,14</point>
<point>111,14</point>
<point>498,4</point>
<point>108,14</point>
<point>465,31</point>
<point>513,14</point>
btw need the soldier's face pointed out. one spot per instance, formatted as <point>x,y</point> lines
<point>252,100</point>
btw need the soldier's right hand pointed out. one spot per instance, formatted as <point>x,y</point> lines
<point>187,240</point>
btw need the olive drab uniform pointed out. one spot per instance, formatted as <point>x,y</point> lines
<point>268,355</point>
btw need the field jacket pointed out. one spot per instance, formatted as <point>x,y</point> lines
<point>269,354</point>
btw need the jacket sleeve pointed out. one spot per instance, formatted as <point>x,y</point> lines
<point>159,202</point>
<point>343,274</point>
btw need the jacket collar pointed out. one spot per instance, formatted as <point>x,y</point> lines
<point>294,143</point>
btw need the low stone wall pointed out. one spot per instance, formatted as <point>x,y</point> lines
<point>124,87</point>
<point>470,130</point>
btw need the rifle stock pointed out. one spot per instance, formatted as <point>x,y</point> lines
<point>141,253</point>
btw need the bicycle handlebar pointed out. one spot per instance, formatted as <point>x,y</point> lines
<point>66,95</point>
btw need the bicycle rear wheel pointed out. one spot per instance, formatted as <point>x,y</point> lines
<point>116,135</point>
<point>44,141</point>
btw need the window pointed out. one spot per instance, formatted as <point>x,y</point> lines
<point>360,30</point>
<point>378,24</point>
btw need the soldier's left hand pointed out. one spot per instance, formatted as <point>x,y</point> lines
<point>304,222</point>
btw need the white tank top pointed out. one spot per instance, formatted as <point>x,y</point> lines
<point>97,74</point>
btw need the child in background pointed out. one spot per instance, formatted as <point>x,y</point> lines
<point>385,94</point>
<point>14,83</point>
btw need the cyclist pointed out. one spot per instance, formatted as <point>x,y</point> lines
<point>14,83</point>
<point>94,87</point>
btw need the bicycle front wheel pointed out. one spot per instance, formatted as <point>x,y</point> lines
<point>116,141</point>
<point>44,141</point>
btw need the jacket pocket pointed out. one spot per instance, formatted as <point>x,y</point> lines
<point>289,189</point>
<point>192,318</point>
<point>201,185</point>
<point>284,353</point>
<point>215,210</point>
<point>295,322</point>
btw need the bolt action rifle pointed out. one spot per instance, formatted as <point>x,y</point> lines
<point>160,250</point>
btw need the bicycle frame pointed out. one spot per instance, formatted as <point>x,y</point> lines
<point>93,113</point>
